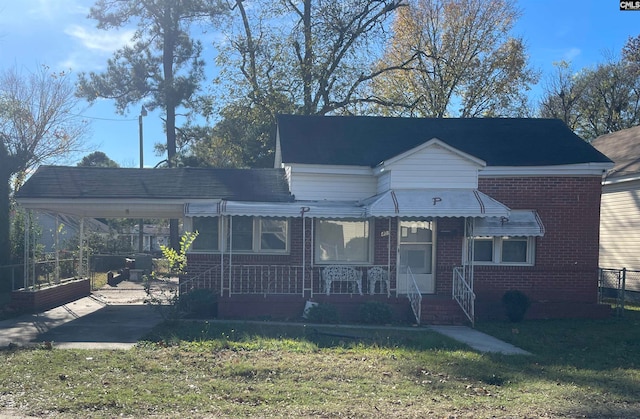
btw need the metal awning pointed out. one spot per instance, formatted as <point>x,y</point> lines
<point>434,203</point>
<point>210,208</point>
<point>315,209</point>
<point>519,223</point>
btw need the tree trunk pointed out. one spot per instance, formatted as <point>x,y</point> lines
<point>5,240</point>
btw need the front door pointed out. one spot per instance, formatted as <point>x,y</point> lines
<point>416,256</point>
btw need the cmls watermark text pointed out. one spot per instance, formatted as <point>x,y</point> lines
<point>630,5</point>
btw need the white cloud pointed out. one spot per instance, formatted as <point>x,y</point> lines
<point>570,54</point>
<point>99,40</point>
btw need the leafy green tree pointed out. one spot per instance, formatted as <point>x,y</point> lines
<point>97,159</point>
<point>454,58</point>
<point>37,125</point>
<point>163,66</point>
<point>243,137</point>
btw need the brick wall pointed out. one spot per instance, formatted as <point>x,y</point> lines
<point>566,260</point>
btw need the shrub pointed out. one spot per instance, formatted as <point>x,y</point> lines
<point>375,312</point>
<point>202,303</point>
<point>516,304</point>
<point>323,313</point>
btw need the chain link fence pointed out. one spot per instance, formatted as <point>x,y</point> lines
<point>619,287</point>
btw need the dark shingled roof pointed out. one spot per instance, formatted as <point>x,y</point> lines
<point>267,185</point>
<point>368,141</point>
<point>623,147</point>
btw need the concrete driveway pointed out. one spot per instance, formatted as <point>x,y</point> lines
<point>111,318</point>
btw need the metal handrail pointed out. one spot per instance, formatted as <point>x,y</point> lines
<point>463,294</point>
<point>414,295</point>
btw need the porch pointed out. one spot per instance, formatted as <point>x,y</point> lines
<point>280,292</point>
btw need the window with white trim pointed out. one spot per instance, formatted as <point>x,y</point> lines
<point>258,235</point>
<point>504,250</point>
<point>342,241</point>
<point>249,234</point>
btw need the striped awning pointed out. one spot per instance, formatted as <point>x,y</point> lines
<point>422,203</point>
<point>522,223</point>
<point>434,203</point>
<point>315,209</point>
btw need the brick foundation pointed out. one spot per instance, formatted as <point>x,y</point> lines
<point>291,307</point>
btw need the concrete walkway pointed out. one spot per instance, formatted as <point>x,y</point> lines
<point>116,318</point>
<point>479,341</point>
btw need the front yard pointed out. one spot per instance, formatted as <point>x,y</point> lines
<point>200,369</point>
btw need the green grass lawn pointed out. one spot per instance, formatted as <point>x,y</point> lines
<point>207,369</point>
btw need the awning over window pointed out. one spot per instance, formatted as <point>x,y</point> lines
<point>315,209</point>
<point>519,223</point>
<point>434,203</point>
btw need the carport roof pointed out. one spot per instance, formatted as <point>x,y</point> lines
<point>63,182</point>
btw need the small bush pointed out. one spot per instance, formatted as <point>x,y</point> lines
<point>202,303</point>
<point>516,304</point>
<point>375,312</point>
<point>323,313</point>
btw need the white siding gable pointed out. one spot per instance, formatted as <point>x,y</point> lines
<point>334,183</point>
<point>433,165</point>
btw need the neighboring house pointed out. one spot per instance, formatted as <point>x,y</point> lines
<point>154,236</point>
<point>431,216</point>
<point>620,210</point>
<point>56,230</point>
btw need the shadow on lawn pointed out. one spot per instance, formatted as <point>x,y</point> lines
<point>322,336</point>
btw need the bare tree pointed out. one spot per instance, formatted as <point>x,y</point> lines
<point>315,54</point>
<point>563,91</point>
<point>594,101</point>
<point>37,125</point>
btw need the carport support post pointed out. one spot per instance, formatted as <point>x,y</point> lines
<point>57,242</point>
<point>81,250</point>
<point>27,245</point>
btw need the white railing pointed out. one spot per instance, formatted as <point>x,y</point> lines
<point>265,279</point>
<point>414,295</point>
<point>463,294</point>
<point>209,279</point>
<point>287,279</point>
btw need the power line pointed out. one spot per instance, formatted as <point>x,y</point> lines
<point>104,119</point>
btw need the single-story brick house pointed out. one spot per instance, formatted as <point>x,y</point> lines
<point>436,217</point>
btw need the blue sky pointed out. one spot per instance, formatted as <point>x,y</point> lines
<point>58,34</point>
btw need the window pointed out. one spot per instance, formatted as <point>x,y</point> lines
<point>207,228</point>
<point>241,234</point>
<point>273,234</point>
<point>504,250</point>
<point>342,241</point>
<point>259,235</point>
